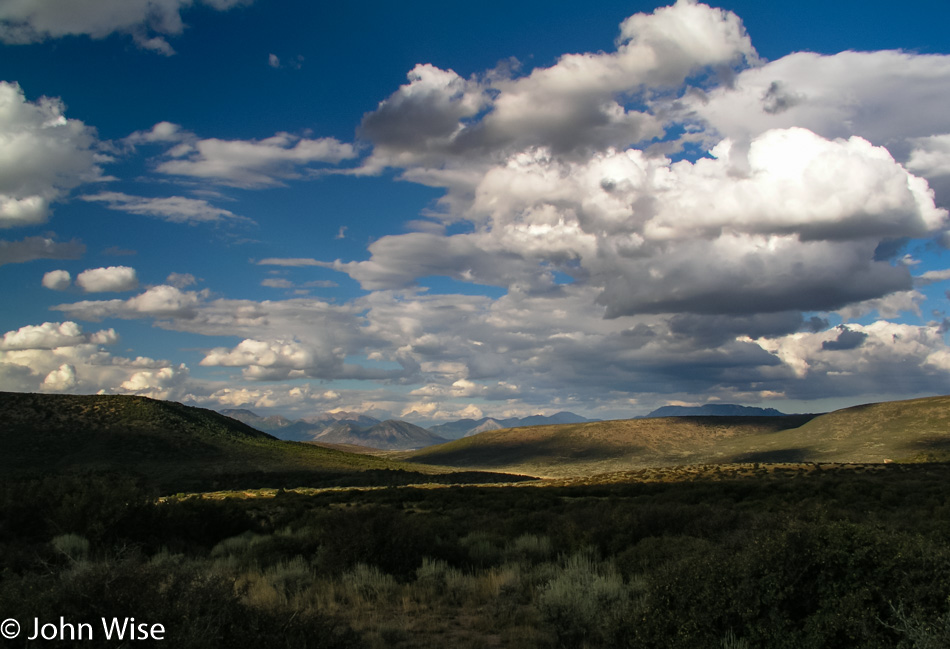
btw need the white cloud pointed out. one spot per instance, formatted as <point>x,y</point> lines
<point>868,94</point>
<point>253,163</point>
<point>60,357</point>
<point>44,156</point>
<point>289,359</point>
<point>147,21</point>
<point>57,280</point>
<point>61,379</point>
<point>162,132</point>
<point>175,209</point>
<point>273,353</point>
<point>860,359</point>
<point>932,276</point>
<point>793,221</point>
<point>298,397</point>
<point>113,278</point>
<point>273,60</point>
<point>439,121</point>
<point>704,266</point>
<point>50,335</point>
<point>159,381</point>
<point>162,301</point>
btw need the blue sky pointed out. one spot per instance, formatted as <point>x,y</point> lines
<point>434,211</point>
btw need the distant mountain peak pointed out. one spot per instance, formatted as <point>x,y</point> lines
<point>714,410</point>
<point>469,427</point>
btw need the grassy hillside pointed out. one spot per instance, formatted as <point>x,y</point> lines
<point>912,430</point>
<point>169,445</point>
<point>917,429</point>
<point>600,447</point>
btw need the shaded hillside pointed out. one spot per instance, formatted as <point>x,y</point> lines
<point>172,446</point>
<point>599,447</point>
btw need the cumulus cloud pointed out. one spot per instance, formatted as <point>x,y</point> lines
<point>791,209</point>
<point>253,163</point>
<point>111,279</point>
<point>175,209</point>
<point>31,248</point>
<point>62,379</point>
<point>61,357</point>
<point>44,156</point>
<point>147,21</point>
<point>931,155</point>
<point>629,277</point>
<point>304,396</point>
<point>572,107</point>
<point>860,359</point>
<point>794,221</point>
<point>162,301</point>
<point>51,335</point>
<point>57,280</point>
<point>289,359</point>
<point>838,95</point>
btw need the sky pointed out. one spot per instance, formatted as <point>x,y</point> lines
<point>433,211</point>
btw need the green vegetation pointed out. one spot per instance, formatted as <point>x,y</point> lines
<point>175,448</point>
<point>831,557</point>
<point>301,546</point>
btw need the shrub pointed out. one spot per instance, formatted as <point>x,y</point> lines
<point>72,546</point>
<point>586,604</point>
<point>368,582</point>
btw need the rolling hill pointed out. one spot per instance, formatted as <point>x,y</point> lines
<point>168,445</point>
<point>915,429</point>
<point>912,430</point>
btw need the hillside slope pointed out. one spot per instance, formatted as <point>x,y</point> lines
<point>917,429</point>
<point>167,444</point>
<point>911,430</point>
<point>598,447</point>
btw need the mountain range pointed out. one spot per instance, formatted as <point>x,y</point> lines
<point>469,427</point>
<point>353,428</point>
<point>348,428</point>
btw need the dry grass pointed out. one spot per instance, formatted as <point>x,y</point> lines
<point>911,430</point>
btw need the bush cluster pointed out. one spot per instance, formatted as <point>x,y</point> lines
<point>831,560</point>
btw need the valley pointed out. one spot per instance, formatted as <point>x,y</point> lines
<point>678,532</point>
